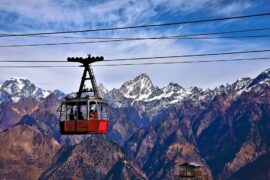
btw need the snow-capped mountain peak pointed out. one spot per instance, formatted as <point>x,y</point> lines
<point>264,77</point>
<point>173,87</point>
<point>102,90</point>
<point>17,88</point>
<point>138,88</point>
<point>267,71</point>
<point>16,85</point>
<point>241,83</point>
<point>20,81</point>
<point>58,93</point>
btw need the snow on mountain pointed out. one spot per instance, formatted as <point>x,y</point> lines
<point>263,78</point>
<point>141,93</point>
<point>16,88</point>
<point>241,83</point>
<point>171,90</point>
<point>139,88</point>
<point>58,93</point>
<point>102,90</point>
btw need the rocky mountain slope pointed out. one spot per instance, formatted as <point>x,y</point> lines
<point>161,148</point>
<point>240,133</point>
<point>11,113</point>
<point>25,152</point>
<point>224,134</point>
<point>258,169</point>
<point>93,158</point>
<point>28,151</point>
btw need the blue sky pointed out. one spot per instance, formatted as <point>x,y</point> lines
<point>26,16</point>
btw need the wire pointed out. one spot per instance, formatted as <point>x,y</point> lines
<point>37,66</point>
<point>191,55</point>
<point>145,58</point>
<point>130,39</point>
<point>31,61</point>
<point>140,26</point>
<point>185,35</point>
<point>151,63</point>
<point>187,62</point>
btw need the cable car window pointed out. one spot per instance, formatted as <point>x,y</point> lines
<point>103,111</point>
<point>76,111</point>
<point>82,115</point>
<point>72,115</point>
<point>71,112</point>
<point>93,114</point>
<point>93,107</point>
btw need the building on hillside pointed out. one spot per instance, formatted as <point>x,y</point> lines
<point>191,171</point>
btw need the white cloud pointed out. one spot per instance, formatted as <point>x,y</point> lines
<point>113,12</point>
<point>233,8</point>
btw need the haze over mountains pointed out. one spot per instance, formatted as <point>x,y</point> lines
<point>152,131</point>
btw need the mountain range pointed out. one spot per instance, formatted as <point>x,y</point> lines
<point>17,88</point>
<point>152,132</point>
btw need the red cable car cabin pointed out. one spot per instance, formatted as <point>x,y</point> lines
<point>83,116</point>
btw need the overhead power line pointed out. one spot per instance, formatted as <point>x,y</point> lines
<point>146,58</point>
<point>186,62</point>
<point>184,35</point>
<point>131,39</point>
<point>191,55</point>
<point>140,26</point>
<point>150,63</point>
<point>37,66</point>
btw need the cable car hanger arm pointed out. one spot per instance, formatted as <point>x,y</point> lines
<point>86,62</point>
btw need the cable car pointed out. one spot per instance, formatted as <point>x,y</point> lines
<point>84,112</point>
